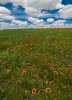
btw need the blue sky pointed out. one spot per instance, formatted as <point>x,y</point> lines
<point>35,13</point>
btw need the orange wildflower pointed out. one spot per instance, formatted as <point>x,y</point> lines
<point>48,82</point>
<point>61,73</point>
<point>33,68</point>
<point>51,68</point>
<point>55,72</point>
<point>45,71</point>
<point>8,71</point>
<point>48,89</point>
<point>18,82</point>
<point>24,72</point>
<point>36,76</point>
<point>68,69</point>
<point>70,65</point>
<point>12,77</point>
<point>28,64</point>
<point>23,64</point>
<point>60,69</point>
<point>33,90</point>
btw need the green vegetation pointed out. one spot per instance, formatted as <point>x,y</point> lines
<point>35,64</point>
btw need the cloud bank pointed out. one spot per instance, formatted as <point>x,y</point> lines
<point>37,13</point>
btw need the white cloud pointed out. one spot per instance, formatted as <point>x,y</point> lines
<point>65,12</point>
<point>20,23</point>
<point>4,25</point>
<point>59,6</point>
<point>32,19</point>
<point>4,10</point>
<point>14,24</point>
<point>34,7</point>
<point>15,2</point>
<point>41,4</point>
<point>6,17</point>
<point>30,11</point>
<point>56,24</point>
<point>50,20</point>
<point>5,14</point>
<point>4,1</point>
<point>36,21</point>
<point>33,12</point>
<point>38,4</point>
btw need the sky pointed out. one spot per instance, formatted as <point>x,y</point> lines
<point>35,14</point>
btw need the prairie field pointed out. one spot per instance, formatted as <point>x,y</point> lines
<point>36,64</point>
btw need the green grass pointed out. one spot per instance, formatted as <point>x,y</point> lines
<point>43,52</point>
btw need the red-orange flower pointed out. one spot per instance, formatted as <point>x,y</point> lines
<point>48,82</point>
<point>24,72</point>
<point>48,89</point>
<point>60,69</point>
<point>23,64</point>
<point>55,72</point>
<point>18,82</point>
<point>51,68</point>
<point>33,68</point>
<point>68,69</point>
<point>12,77</point>
<point>8,71</point>
<point>45,71</point>
<point>33,90</point>
<point>28,64</point>
<point>61,73</point>
<point>36,76</point>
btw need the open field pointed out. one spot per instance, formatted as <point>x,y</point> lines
<point>36,64</point>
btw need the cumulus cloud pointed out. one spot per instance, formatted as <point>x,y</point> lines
<point>34,7</point>
<point>15,2</point>
<point>5,14</point>
<point>36,21</point>
<point>59,23</point>
<point>65,12</point>
<point>4,10</point>
<point>34,13</point>
<point>56,24</point>
<point>6,17</point>
<point>13,24</point>
<point>38,4</point>
<point>4,25</point>
<point>41,4</point>
<point>20,23</point>
<point>50,20</point>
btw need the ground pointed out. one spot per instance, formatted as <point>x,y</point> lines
<point>36,64</point>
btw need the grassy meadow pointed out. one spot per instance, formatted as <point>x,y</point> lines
<point>36,64</point>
